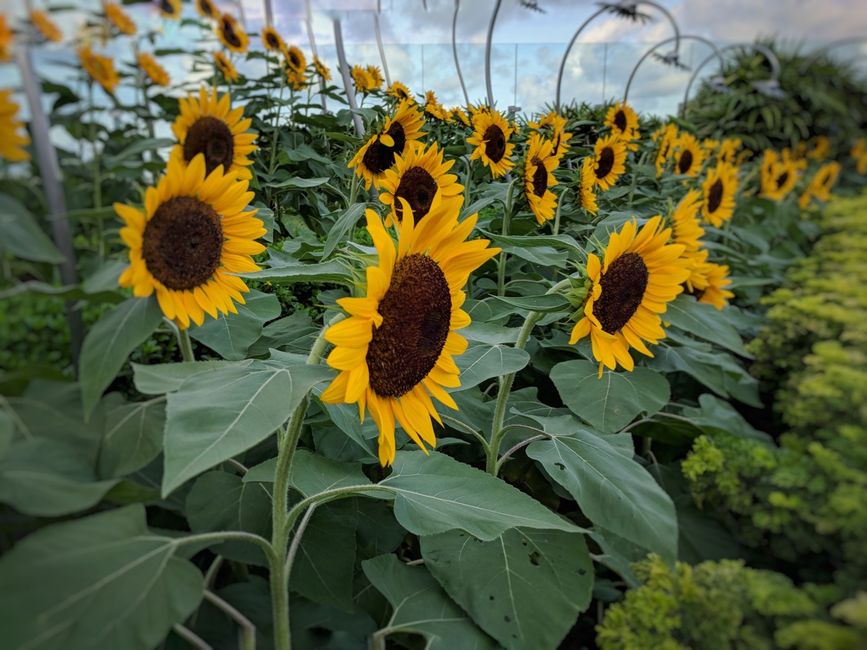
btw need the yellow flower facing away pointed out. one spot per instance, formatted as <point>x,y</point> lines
<point>587,186</point>
<point>153,70</point>
<point>623,122</point>
<point>13,135</point>
<point>609,157</point>
<point>232,35</point>
<point>119,19</point>
<point>170,9</point>
<point>208,125</point>
<point>399,92</point>
<point>459,116</point>
<point>207,9</point>
<point>819,149</point>
<point>665,137</point>
<point>395,352</point>
<point>539,165</point>
<point>433,107</point>
<point>685,226</point>
<point>709,146</point>
<point>639,274</point>
<point>554,125</point>
<point>728,150</point>
<point>321,69</point>
<point>361,79</point>
<point>859,155</point>
<point>779,174</point>
<point>295,59</point>
<point>225,67</point>
<point>272,40</point>
<point>688,155</point>
<point>6,39</point>
<point>490,142</point>
<point>718,193</point>
<point>189,205</point>
<point>376,77</point>
<point>45,26</point>
<point>708,282</point>
<point>295,79</point>
<point>100,68</point>
<point>820,184</point>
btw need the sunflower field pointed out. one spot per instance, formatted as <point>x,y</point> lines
<point>277,372</point>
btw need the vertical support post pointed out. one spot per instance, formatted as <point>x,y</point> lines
<point>515,102</point>
<point>308,21</point>
<point>347,79</point>
<point>604,70</point>
<point>455,52</point>
<point>488,86</point>
<point>269,12</point>
<point>378,34</point>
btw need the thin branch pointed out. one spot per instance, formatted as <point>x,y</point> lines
<point>248,630</point>
<point>296,539</point>
<point>190,637</point>
<point>518,446</point>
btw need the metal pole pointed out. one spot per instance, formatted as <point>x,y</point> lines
<point>488,85</point>
<point>242,13</point>
<point>308,21</point>
<point>604,70</point>
<point>379,45</point>
<point>347,80</point>
<point>269,12</point>
<point>830,46</point>
<point>455,52</point>
<point>515,103</point>
<point>568,50</point>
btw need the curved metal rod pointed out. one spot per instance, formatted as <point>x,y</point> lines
<point>455,52</point>
<point>379,45</point>
<point>488,85</point>
<point>347,79</point>
<point>308,20</point>
<point>830,46</point>
<point>701,39</point>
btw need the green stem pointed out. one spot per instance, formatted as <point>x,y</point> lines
<point>185,344</point>
<point>353,191</point>
<point>501,263</point>
<point>556,229</point>
<point>228,536</point>
<point>97,180</point>
<point>275,125</point>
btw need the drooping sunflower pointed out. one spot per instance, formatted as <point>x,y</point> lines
<point>321,69</point>
<point>13,136</point>
<point>728,150</point>
<point>718,193</point>
<point>170,9</point>
<point>295,79</point>
<point>207,9</point>
<point>361,79</point>
<point>396,350</point>
<point>688,155</point>
<point>419,177</point>
<point>154,71</point>
<point>459,116</point>
<point>377,155</point>
<point>225,66</point>
<point>295,58</point>
<point>623,122</point>
<point>375,76</point>
<point>491,134</point>
<point>539,165</point>
<point>433,107</point>
<point>208,125</point>
<point>586,186</point>
<point>820,184</point>
<point>708,281</point>
<point>819,149</point>
<point>232,35</point>
<point>665,137</point>
<point>272,40</point>
<point>685,227</point>
<point>609,154</point>
<point>399,91</point>
<point>45,26</point>
<point>779,174</point>
<point>100,68</point>
<point>6,38</point>
<point>640,274</point>
<point>119,19</point>
<point>192,236</point>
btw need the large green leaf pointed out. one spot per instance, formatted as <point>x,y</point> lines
<point>231,335</point>
<point>434,494</point>
<point>420,606</point>
<point>161,378</point>
<point>100,582</point>
<point>132,438</point>
<point>109,342</point>
<point>311,473</point>
<point>481,362</point>
<point>332,271</point>
<point>611,402</point>
<point>613,490</point>
<point>21,236</point>
<point>342,226</point>
<point>218,414</point>
<point>525,588</point>
<point>705,322</point>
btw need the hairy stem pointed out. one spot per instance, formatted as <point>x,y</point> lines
<point>501,262</point>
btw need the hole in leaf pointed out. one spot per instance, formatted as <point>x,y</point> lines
<point>534,558</point>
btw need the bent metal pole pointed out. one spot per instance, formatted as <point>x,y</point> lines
<point>455,52</point>
<point>347,80</point>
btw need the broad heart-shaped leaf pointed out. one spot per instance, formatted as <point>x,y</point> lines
<point>311,473</point>
<point>611,402</point>
<point>434,494</point>
<point>481,362</point>
<point>543,303</point>
<point>109,342</point>
<point>218,414</point>
<point>132,438</point>
<point>104,581</point>
<point>613,490</point>
<point>420,606</point>
<point>525,588</point>
<point>21,236</point>
<point>231,335</point>
<point>161,378</point>
<point>705,322</point>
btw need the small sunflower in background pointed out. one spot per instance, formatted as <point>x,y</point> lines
<point>225,66</point>
<point>378,154</point>
<point>639,275</point>
<point>154,71</point>
<point>100,68</point>
<point>419,177</point>
<point>609,156</point>
<point>119,19</point>
<point>586,186</point>
<point>295,79</point>
<point>170,9</point>
<point>321,69</point>
<point>623,122</point>
<point>399,91</point>
<point>272,41</point>
<point>665,137</point>
<point>395,352</point>
<point>208,125</point>
<point>779,174</point>
<point>361,79</point>
<point>6,39</point>
<point>685,227</point>
<point>295,58</point>
<point>820,146</point>
<point>820,184</point>
<point>859,155</point>
<point>708,282</point>
<point>718,194</point>
<point>688,155</point>
<point>13,134</point>
<point>490,139</point>
<point>459,116</point>
<point>46,27</point>
<point>710,146</point>
<point>539,165</point>
<point>728,150</point>
<point>207,9</point>
<point>376,77</point>
<point>191,238</point>
<point>555,125</point>
<point>232,35</point>
<point>433,107</point>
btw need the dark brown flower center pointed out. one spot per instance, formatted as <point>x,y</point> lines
<point>229,33</point>
<point>167,7</point>
<point>182,243</point>
<point>380,157</point>
<point>272,40</point>
<point>782,178</point>
<point>495,143</point>
<point>416,312</point>
<point>685,162</point>
<point>714,196</point>
<point>620,120</point>
<point>540,178</point>
<point>623,288</point>
<point>419,188</point>
<point>207,8</point>
<point>605,163</point>
<point>294,59</point>
<point>211,137</point>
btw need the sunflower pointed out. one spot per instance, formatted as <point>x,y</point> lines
<point>419,177</point>
<point>207,9</point>
<point>295,58</point>
<point>120,19</point>
<point>295,79</point>
<point>718,193</point>
<point>641,273</point>
<point>779,174</point>
<point>189,240</point>
<point>321,69</point>
<point>709,146</point>
<point>208,125</point>
<point>459,116</point>
<point>859,155</point>
<point>686,230</point>
<point>377,155</point>
<point>623,122</point>
<point>170,9</point>
<point>688,155</point>
<point>728,150</point>
<point>100,68</point>
<point>666,136</point>
<point>399,91</point>
<point>45,26</point>
<point>232,35</point>
<point>375,76</point>
<point>396,350</point>
<point>154,71</point>
<point>820,148</point>
<point>433,107</point>
<point>491,133</point>
<point>225,66</point>
<point>587,185</point>
<point>272,40</point>
<point>6,37</point>
<point>708,281</point>
<point>539,165</point>
<point>555,124</point>
<point>13,135</point>
<point>609,155</point>
<point>361,79</point>
<point>820,184</point>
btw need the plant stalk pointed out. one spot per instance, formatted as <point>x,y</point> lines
<point>507,218</point>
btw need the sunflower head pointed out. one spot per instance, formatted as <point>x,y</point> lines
<point>6,38</point>
<point>375,76</point>
<point>718,193</point>
<point>13,136</point>
<point>459,116</point>
<point>321,69</point>
<point>294,58</point>
<point>779,173</point>
<point>433,107</point>
<point>395,352</point>
<point>225,66</point>
<point>361,79</point>
<point>819,148</point>
<point>623,122</point>
<point>191,237</point>
<point>232,35</point>
<point>490,142</point>
<point>119,19</point>
<point>609,154</point>
<point>399,92</point>
<point>272,40</point>
<point>728,150</point>
<point>665,137</point>
<point>539,165</point>
<point>295,79</point>
<point>686,230</point>
<point>688,155</point>
<point>153,70</point>
<point>208,125</point>
<point>708,281</point>
<point>46,27</point>
<point>170,9</point>
<point>586,186</point>
<point>207,9</point>
<point>100,68</point>
<point>820,184</point>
